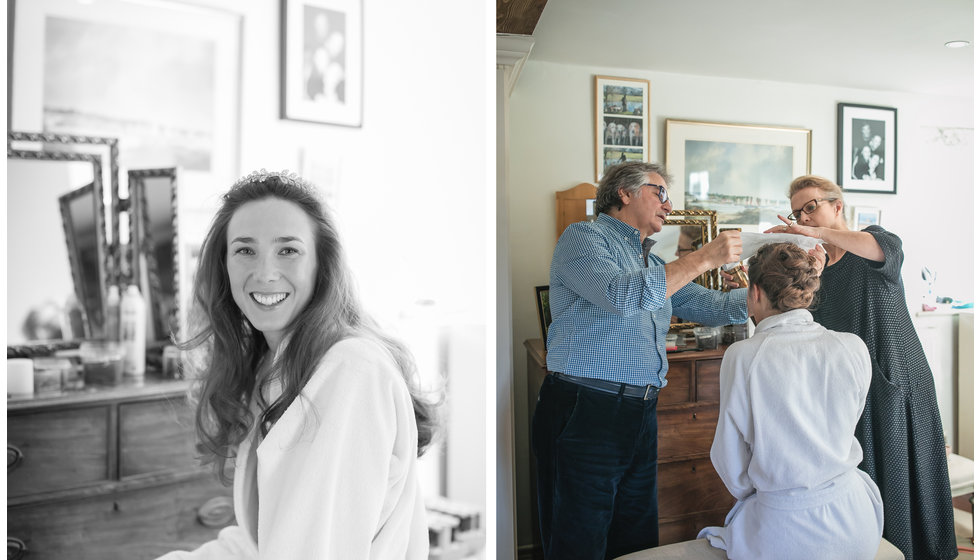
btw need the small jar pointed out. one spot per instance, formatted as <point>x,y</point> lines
<point>102,362</point>
<point>49,374</point>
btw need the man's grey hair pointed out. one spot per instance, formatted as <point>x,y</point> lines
<point>630,177</point>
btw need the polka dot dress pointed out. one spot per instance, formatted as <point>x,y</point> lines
<point>900,429</point>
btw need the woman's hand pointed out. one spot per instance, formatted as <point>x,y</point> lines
<point>793,227</point>
<point>737,278</point>
<point>820,254</point>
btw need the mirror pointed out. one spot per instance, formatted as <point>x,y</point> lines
<point>42,276</point>
<point>153,235</point>
<point>82,216</point>
<point>686,230</point>
<point>107,149</point>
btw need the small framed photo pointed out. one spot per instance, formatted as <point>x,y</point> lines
<point>622,122</point>
<point>544,309</point>
<point>864,216</point>
<point>322,61</point>
<point>866,148</point>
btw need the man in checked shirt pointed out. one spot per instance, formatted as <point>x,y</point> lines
<point>594,431</point>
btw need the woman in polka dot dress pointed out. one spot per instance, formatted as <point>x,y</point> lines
<point>900,430</point>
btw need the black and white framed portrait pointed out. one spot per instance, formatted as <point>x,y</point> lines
<point>322,61</point>
<point>866,148</point>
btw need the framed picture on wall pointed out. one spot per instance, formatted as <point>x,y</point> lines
<point>121,69</point>
<point>541,295</point>
<point>864,216</point>
<point>622,122</point>
<point>866,148</point>
<point>740,171</point>
<point>322,61</point>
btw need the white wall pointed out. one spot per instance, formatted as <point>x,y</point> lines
<point>551,149</point>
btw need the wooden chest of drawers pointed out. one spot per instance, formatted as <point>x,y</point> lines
<point>107,474</point>
<point>690,493</point>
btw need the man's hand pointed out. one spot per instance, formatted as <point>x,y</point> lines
<point>724,249</point>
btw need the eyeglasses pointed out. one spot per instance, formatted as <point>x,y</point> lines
<point>661,193</point>
<point>808,208</point>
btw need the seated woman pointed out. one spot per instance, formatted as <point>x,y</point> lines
<point>785,446</point>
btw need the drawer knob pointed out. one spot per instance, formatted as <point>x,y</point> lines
<point>14,457</point>
<point>694,415</point>
<point>694,468</point>
<point>16,548</point>
<point>216,512</point>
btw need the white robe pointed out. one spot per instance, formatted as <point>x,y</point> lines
<point>336,476</point>
<point>791,396</point>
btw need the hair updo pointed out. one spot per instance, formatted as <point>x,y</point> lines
<point>786,274</point>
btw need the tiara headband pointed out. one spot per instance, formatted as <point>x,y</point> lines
<point>284,176</point>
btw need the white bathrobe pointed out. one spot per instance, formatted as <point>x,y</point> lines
<point>336,476</point>
<point>791,396</point>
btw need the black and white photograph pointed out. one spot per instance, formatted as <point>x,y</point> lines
<point>322,61</point>
<point>212,351</point>
<point>866,148</point>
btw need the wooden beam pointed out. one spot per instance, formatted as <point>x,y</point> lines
<point>519,17</point>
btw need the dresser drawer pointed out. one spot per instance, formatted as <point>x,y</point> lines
<point>156,436</point>
<point>125,525</point>
<point>686,431</point>
<point>707,380</point>
<point>678,389</point>
<point>686,487</point>
<point>57,450</point>
<point>680,529</point>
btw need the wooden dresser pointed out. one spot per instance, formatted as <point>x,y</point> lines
<point>109,473</point>
<point>690,493</point>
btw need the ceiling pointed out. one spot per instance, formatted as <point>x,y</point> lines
<point>892,45</point>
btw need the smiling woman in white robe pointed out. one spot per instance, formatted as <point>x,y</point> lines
<point>320,411</point>
<point>784,446</point>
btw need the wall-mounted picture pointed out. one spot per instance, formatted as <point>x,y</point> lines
<point>866,148</point>
<point>121,69</point>
<point>740,171</point>
<point>541,294</point>
<point>322,61</point>
<point>622,118</point>
<point>864,216</point>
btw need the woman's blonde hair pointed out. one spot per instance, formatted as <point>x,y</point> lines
<point>786,274</point>
<point>826,186</point>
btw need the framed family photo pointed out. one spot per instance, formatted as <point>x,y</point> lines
<point>866,148</point>
<point>322,61</point>
<point>740,171</point>
<point>622,122</point>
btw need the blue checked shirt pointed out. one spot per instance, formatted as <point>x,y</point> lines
<point>609,311</point>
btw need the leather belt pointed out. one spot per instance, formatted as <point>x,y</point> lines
<point>645,392</point>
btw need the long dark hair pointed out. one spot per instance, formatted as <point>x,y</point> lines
<point>233,348</point>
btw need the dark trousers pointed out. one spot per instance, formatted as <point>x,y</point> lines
<point>597,471</point>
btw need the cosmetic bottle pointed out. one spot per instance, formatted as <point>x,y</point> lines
<point>112,314</point>
<point>133,332</point>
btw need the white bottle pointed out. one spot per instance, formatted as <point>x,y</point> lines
<point>112,314</point>
<point>133,332</point>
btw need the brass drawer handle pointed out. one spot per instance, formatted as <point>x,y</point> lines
<point>16,548</point>
<point>216,512</point>
<point>14,457</point>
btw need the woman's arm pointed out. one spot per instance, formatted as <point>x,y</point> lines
<point>232,544</point>
<point>730,451</point>
<point>860,243</point>
<point>337,473</point>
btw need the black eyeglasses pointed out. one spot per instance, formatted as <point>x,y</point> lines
<point>808,208</point>
<point>662,193</point>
